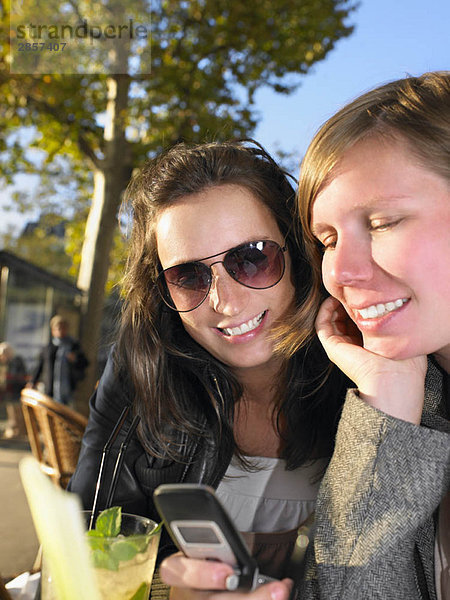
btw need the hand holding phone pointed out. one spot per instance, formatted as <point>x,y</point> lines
<point>201,528</point>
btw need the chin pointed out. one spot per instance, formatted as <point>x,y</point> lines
<point>395,349</point>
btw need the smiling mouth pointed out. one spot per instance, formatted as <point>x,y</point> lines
<point>244,327</point>
<point>378,310</point>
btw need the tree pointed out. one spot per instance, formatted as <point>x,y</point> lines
<point>42,243</point>
<point>208,58</point>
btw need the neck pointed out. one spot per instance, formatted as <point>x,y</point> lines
<point>261,384</point>
<point>443,358</point>
<point>255,419</point>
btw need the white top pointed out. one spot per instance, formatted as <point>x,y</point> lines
<point>270,499</point>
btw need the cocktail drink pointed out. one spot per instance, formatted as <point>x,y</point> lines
<point>123,550</point>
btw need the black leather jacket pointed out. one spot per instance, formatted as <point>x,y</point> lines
<point>141,473</point>
<point>46,362</point>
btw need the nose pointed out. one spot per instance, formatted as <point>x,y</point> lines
<point>226,295</point>
<point>349,263</point>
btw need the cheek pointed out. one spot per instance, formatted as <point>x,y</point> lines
<point>195,322</point>
<point>188,322</point>
<point>326,273</point>
<point>287,287</point>
<point>411,261</point>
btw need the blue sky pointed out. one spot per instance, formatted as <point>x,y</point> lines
<point>392,38</point>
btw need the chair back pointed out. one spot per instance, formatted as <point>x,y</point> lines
<point>4,594</point>
<point>55,432</point>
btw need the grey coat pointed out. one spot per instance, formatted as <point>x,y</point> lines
<point>374,536</point>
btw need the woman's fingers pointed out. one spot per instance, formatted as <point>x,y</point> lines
<point>393,386</point>
<point>276,590</point>
<point>340,338</point>
<point>180,571</point>
<point>332,320</point>
<point>197,579</point>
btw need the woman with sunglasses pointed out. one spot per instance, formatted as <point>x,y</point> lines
<point>215,268</point>
<point>374,198</point>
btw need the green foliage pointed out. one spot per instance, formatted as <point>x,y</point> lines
<point>208,58</point>
<point>44,245</point>
<point>109,521</point>
<point>108,547</point>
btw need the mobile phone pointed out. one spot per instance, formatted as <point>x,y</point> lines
<point>201,528</point>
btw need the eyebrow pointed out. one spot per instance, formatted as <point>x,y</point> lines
<point>383,200</point>
<point>375,202</point>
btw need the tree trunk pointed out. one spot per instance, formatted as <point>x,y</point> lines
<point>109,182</point>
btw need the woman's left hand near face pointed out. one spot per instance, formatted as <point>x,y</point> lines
<point>394,386</point>
<point>192,578</point>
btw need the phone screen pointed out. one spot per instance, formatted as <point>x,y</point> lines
<point>198,534</point>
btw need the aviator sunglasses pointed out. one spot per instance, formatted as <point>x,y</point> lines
<point>257,265</point>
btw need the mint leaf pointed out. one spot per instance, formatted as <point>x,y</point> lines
<point>94,533</point>
<point>141,593</point>
<point>124,550</point>
<point>95,541</point>
<point>107,553</point>
<point>104,560</point>
<point>109,521</point>
<point>140,543</point>
<point>158,528</point>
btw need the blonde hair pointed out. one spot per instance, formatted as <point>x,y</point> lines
<point>58,320</point>
<point>415,110</point>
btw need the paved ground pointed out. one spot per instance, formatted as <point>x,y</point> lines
<point>18,541</point>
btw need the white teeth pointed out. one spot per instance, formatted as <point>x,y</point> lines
<point>372,312</point>
<point>245,327</point>
<point>378,310</point>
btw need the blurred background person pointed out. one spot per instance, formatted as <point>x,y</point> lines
<point>12,380</point>
<point>61,363</point>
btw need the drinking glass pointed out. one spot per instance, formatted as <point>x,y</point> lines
<point>123,565</point>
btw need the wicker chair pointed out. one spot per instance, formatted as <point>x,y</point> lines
<point>4,594</point>
<point>54,432</point>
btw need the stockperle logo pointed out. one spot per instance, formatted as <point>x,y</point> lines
<point>104,41</point>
